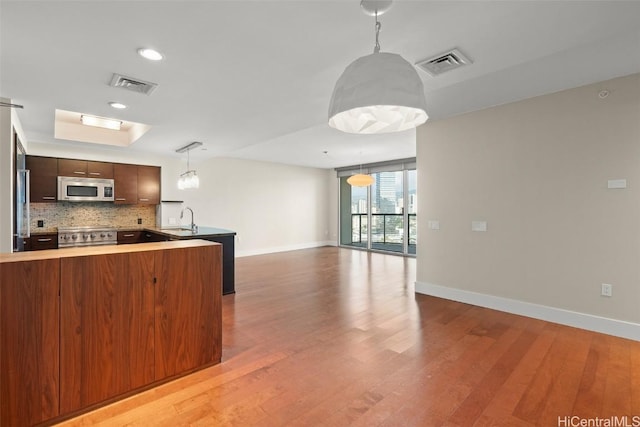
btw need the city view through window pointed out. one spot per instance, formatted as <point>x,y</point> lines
<point>387,199</point>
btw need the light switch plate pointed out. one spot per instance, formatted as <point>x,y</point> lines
<point>434,225</point>
<point>617,183</point>
<point>478,225</point>
<point>607,290</point>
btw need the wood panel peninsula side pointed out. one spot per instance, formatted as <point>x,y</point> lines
<point>82,327</point>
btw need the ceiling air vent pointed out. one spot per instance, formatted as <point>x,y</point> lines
<point>134,85</point>
<point>444,62</point>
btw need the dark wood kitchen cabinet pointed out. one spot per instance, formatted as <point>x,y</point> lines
<point>149,236</point>
<point>134,318</point>
<point>29,341</point>
<point>136,184</point>
<point>102,170</point>
<point>85,168</point>
<point>133,184</point>
<point>86,326</point>
<point>125,184</point>
<point>129,237</point>
<point>107,327</point>
<point>43,176</point>
<point>71,167</point>
<point>41,241</point>
<point>140,236</point>
<point>148,185</point>
<point>188,304</point>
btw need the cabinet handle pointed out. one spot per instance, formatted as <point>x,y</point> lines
<point>128,235</point>
<point>144,200</point>
<point>94,173</point>
<point>48,198</point>
<point>120,199</point>
<point>79,172</point>
<point>44,240</point>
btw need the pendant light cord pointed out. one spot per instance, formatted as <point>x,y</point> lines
<point>376,49</point>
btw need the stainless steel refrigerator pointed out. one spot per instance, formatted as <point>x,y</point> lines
<point>21,216</point>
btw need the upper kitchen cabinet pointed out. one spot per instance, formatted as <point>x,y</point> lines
<point>125,184</point>
<point>85,168</point>
<point>136,184</point>
<point>148,185</point>
<point>43,184</point>
<point>99,170</point>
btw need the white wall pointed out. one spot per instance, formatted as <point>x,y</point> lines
<point>272,207</point>
<point>537,172</point>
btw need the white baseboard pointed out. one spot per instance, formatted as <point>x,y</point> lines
<point>619,328</point>
<point>287,248</point>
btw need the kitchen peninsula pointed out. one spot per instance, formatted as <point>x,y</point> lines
<point>81,327</point>
<point>212,234</point>
<point>61,237</point>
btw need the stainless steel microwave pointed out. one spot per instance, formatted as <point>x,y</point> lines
<point>72,189</point>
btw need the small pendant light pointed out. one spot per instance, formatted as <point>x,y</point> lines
<point>188,180</point>
<point>378,93</point>
<point>360,179</point>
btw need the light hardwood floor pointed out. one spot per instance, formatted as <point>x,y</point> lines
<point>337,337</point>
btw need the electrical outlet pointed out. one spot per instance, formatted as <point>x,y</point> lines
<point>139,220</point>
<point>40,223</point>
<point>607,290</point>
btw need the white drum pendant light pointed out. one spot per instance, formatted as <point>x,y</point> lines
<point>378,93</point>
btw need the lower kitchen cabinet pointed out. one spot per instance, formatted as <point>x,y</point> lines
<point>41,241</point>
<point>138,236</point>
<point>130,319</point>
<point>29,342</point>
<point>187,310</point>
<point>85,326</point>
<point>228,261</point>
<point>129,237</point>
<point>106,328</point>
<point>149,236</point>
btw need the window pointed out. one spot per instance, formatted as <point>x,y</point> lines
<point>383,216</point>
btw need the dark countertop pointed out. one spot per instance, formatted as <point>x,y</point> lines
<point>183,233</point>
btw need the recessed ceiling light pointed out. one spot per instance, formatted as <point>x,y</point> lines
<point>118,105</point>
<point>150,54</point>
<point>100,122</point>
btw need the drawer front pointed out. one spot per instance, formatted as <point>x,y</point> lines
<point>39,242</point>
<point>128,237</point>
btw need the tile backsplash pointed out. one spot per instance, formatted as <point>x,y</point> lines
<point>67,214</point>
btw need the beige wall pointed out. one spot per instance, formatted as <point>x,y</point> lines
<point>272,207</point>
<point>537,172</point>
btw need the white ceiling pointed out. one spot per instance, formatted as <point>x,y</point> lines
<point>252,79</point>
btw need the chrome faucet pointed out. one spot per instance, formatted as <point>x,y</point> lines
<point>194,227</point>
